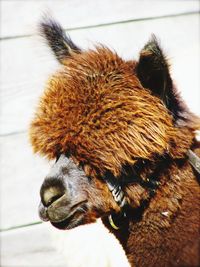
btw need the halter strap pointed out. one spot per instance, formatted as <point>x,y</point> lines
<point>115,187</point>
<point>119,196</point>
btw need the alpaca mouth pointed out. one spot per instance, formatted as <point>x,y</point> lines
<point>74,219</point>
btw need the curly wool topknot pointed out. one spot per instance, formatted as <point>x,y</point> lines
<point>96,109</point>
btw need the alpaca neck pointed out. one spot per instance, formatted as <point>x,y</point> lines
<point>139,195</point>
<point>150,216</point>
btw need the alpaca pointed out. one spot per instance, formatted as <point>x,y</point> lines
<point>125,150</point>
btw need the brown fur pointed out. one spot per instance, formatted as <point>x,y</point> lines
<point>95,105</point>
<point>96,109</point>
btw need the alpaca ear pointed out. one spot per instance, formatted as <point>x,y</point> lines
<point>153,70</point>
<point>59,42</point>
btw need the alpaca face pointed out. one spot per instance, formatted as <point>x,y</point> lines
<point>106,113</point>
<point>70,198</point>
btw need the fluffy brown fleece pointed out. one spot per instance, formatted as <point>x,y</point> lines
<point>96,108</point>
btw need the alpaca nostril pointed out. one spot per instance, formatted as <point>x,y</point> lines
<point>53,199</point>
<point>51,190</point>
<point>50,195</point>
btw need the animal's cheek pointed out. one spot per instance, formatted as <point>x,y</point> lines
<point>77,190</point>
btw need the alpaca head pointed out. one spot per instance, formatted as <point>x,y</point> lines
<point>97,115</point>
